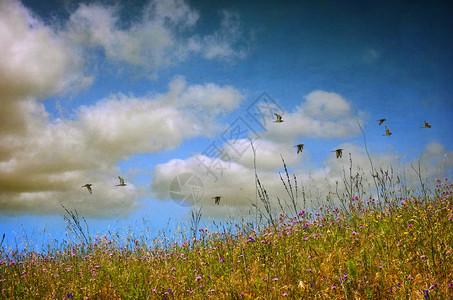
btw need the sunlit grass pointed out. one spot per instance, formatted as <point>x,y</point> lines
<point>400,251</point>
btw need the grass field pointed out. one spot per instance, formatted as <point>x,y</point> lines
<point>400,248</point>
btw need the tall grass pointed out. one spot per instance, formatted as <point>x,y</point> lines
<point>399,248</point>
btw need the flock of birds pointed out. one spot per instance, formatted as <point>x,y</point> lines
<point>338,152</point>
<point>88,185</point>
<point>300,148</point>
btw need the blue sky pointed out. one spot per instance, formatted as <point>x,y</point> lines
<point>92,90</point>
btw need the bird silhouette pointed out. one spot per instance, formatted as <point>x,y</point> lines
<point>339,152</point>
<point>300,147</point>
<point>426,125</point>
<point>279,118</point>
<point>121,182</point>
<point>387,131</point>
<point>88,186</point>
<point>216,199</point>
<point>381,121</point>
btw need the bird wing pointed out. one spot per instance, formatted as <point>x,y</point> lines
<point>121,180</point>
<point>89,189</point>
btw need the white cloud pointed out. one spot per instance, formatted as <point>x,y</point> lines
<point>163,36</point>
<point>221,43</point>
<point>323,115</point>
<point>35,62</point>
<point>124,124</point>
<point>236,181</point>
<point>47,162</point>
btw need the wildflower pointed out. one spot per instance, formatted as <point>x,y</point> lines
<point>251,239</point>
<point>426,294</point>
<point>69,295</point>
<point>284,294</point>
<point>198,278</point>
<point>275,279</point>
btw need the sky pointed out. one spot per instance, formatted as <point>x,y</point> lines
<point>171,94</point>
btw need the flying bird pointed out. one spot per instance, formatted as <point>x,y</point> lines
<point>88,186</point>
<point>387,131</point>
<point>121,182</point>
<point>300,147</point>
<point>279,118</point>
<point>339,152</point>
<point>216,199</point>
<point>426,125</point>
<point>381,121</point>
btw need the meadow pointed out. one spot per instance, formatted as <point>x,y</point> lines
<point>394,247</point>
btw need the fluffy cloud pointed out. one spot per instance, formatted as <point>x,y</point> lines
<point>323,115</point>
<point>35,62</point>
<point>123,125</point>
<point>47,164</point>
<point>160,38</point>
<point>234,180</point>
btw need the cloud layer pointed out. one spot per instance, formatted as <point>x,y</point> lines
<point>45,162</point>
<point>323,115</point>
<point>52,159</point>
<point>161,37</point>
<point>235,180</point>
